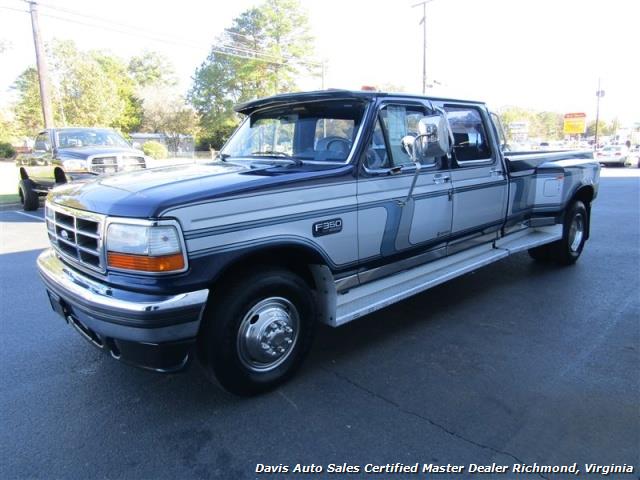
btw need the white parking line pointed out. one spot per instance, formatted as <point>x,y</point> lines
<point>29,215</point>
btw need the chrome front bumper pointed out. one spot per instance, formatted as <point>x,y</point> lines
<point>120,314</point>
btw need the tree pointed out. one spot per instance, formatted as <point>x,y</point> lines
<point>275,45</point>
<point>9,129</point>
<point>167,113</point>
<point>546,125</point>
<point>591,128</point>
<point>90,88</point>
<point>152,68</point>
<point>28,110</point>
<point>87,85</point>
<point>129,117</point>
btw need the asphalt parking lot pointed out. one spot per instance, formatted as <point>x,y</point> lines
<point>514,363</point>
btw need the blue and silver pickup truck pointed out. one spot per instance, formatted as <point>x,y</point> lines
<point>324,207</point>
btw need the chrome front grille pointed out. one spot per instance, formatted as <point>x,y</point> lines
<point>113,164</point>
<point>76,235</point>
<point>104,165</point>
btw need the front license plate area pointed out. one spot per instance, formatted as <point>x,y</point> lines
<point>57,304</point>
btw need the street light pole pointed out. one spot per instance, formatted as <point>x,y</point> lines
<point>424,42</point>
<point>41,63</point>
<point>599,93</point>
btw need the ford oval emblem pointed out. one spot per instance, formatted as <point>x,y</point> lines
<point>64,234</point>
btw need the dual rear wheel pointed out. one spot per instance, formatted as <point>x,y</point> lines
<point>567,250</point>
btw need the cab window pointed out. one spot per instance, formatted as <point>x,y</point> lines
<point>471,143</point>
<point>376,155</point>
<point>399,121</point>
<point>42,143</point>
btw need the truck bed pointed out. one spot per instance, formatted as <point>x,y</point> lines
<point>520,162</point>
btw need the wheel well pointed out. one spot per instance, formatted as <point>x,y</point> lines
<point>59,176</point>
<point>585,195</point>
<point>23,174</point>
<point>295,258</point>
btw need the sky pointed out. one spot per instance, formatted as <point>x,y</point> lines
<point>540,54</point>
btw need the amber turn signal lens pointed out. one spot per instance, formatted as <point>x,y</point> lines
<point>143,263</point>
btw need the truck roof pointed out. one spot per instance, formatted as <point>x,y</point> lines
<point>332,94</point>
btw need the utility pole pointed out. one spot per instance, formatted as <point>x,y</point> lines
<point>424,42</point>
<point>41,62</point>
<point>599,94</point>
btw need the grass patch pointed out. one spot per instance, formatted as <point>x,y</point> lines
<point>9,198</point>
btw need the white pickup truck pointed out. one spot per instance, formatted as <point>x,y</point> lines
<point>325,207</point>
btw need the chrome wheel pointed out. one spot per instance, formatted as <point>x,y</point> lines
<point>576,232</point>
<point>268,334</point>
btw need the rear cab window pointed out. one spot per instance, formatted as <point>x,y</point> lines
<point>471,144</point>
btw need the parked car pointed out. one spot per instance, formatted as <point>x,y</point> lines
<point>327,206</point>
<point>612,155</point>
<point>61,155</point>
<point>633,159</point>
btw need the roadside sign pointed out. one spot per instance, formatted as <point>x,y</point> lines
<point>575,123</point>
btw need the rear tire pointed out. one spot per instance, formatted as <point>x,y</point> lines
<point>28,196</point>
<point>567,250</point>
<point>257,330</point>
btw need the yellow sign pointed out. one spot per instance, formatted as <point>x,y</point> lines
<point>575,123</point>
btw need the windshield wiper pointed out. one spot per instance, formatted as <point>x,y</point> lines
<point>279,155</point>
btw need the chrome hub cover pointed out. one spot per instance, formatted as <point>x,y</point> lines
<point>268,333</point>
<point>576,232</point>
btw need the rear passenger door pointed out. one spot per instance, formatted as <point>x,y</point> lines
<point>478,177</point>
<point>390,221</point>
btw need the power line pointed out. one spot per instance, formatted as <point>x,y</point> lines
<point>162,37</point>
<point>14,9</point>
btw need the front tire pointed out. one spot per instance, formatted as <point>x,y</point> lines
<point>567,250</point>
<point>257,330</point>
<point>28,196</point>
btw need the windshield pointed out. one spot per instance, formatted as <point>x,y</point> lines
<point>90,137</point>
<point>322,131</point>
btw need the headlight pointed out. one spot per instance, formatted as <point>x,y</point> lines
<point>146,248</point>
<point>75,165</point>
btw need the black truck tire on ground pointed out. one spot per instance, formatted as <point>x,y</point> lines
<point>567,250</point>
<point>257,330</point>
<point>28,196</point>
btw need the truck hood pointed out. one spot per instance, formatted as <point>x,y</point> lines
<point>83,153</point>
<point>148,193</point>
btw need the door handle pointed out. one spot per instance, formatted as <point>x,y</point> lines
<point>440,179</point>
<point>495,172</point>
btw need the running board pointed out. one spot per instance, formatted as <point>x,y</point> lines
<point>372,296</point>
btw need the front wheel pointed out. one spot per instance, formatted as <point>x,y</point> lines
<point>28,196</point>
<point>567,250</point>
<point>257,330</point>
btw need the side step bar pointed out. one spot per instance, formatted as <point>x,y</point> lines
<point>368,298</point>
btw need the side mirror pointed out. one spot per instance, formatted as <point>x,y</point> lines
<point>434,139</point>
<point>407,143</point>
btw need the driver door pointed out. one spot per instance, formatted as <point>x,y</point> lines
<point>392,223</point>
<point>41,160</point>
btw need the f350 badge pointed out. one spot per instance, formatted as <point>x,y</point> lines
<point>327,227</point>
